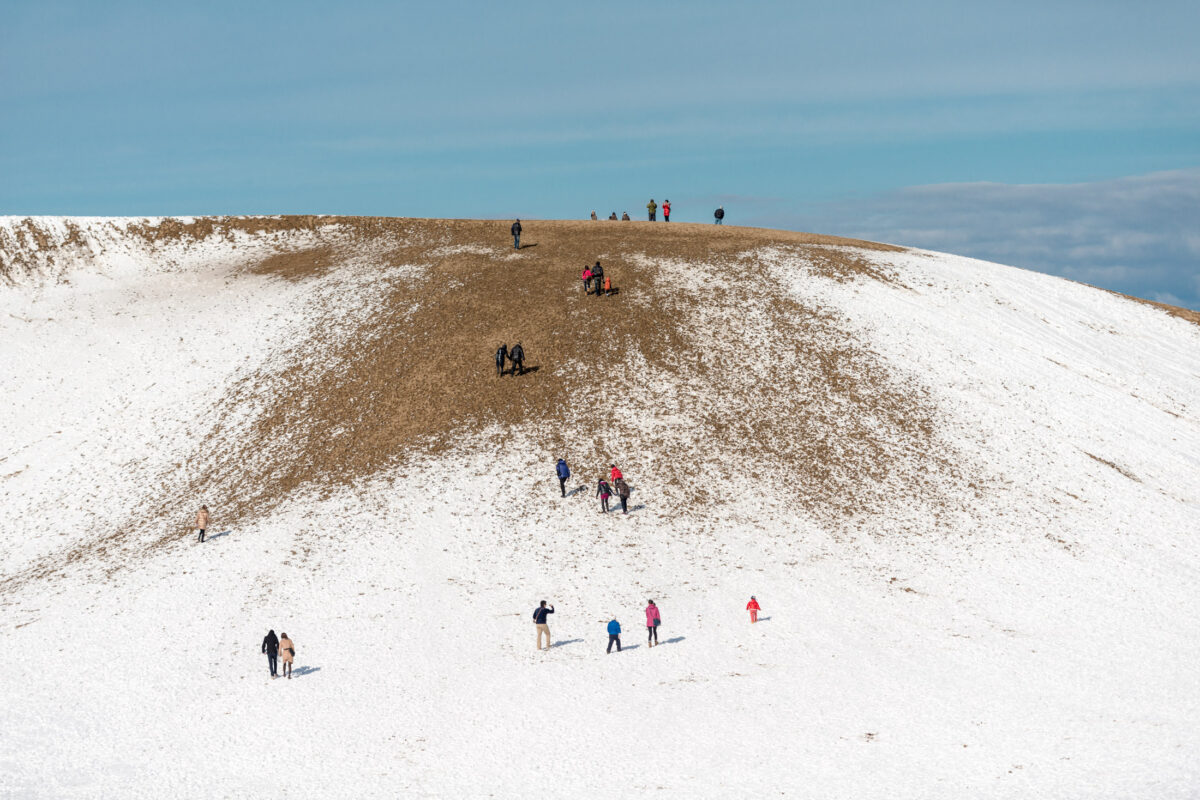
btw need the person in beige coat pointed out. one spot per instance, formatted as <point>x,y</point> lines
<point>287,653</point>
<point>202,522</point>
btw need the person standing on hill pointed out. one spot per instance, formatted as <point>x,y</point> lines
<point>539,619</point>
<point>653,620</point>
<point>666,210</point>
<point>604,492</point>
<point>270,646</point>
<point>516,232</point>
<point>652,207</point>
<point>614,636</point>
<point>719,214</point>
<point>753,607</point>
<point>594,217</point>
<point>598,277</point>
<point>201,522</point>
<point>287,653</point>
<point>622,489</point>
<point>612,217</point>
<point>625,216</point>
<point>501,357</point>
<point>563,473</point>
<point>517,357</point>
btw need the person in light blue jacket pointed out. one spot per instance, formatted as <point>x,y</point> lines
<point>614,635</point>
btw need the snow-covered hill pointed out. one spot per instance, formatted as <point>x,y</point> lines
<point>967,497</point>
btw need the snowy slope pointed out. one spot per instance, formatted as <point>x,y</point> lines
<point>1010,612</point>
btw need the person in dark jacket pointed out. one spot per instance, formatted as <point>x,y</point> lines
<point>597,277</point>
<point>603,492</point>
<point>517,357</point>
<point>270,646</point>
<point>563,473</point>
<point>539,619</point>
<point>613,216</point>
<point>516,232</point>
<point>623,493</point>
<point>614,635</point>
<point>719,214</point>
<point>625,216</point>
<point>501,357</point>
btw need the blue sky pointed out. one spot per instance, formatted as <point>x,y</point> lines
<point>1004,130</point>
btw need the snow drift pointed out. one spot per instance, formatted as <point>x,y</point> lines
<point>966,496</point>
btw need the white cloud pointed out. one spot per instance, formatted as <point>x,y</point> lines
<point>1136,235</point>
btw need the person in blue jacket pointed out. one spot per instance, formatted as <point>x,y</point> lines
<point>563,473</point>
<point>614,635</point>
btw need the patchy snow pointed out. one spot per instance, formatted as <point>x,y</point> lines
<point>1037,641</point>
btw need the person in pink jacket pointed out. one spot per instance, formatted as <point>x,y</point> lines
<point>653,620</point>
<point>587,280</point>
<point>753,608</point>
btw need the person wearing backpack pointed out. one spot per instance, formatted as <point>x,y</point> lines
<point>539,620</point>
<point>516,233</point>
<point>653,620</point>
<point>563,473</point>
<point>598,277</point>
<point>501,357</point>
<point>604,492</point>
<point>622,493</point>
<point>517,357</point>
<point>614,636</point>
<point>652,207</point>
<point>719,214</point>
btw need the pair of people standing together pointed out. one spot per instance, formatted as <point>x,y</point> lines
<point>278,649</point>
<point>652,207</point>
<point>516,356</point>
<point>653,620</point>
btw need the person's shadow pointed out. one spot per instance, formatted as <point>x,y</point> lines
<point>217,535</point>
<point>296,673</point>
<point>564,642</point>
<point>576,491</point>
<point>527,246</point>
<point>674,639</point>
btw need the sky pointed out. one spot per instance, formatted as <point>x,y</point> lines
<point>1063,136</point>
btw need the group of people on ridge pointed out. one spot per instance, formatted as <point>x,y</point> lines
<point>515,356</point>
<point>652,211</point>
<point>279,648</point>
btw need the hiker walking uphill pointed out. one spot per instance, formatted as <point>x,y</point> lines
<point>604,492</point>
<point>287,653</point>
<point>501,357</point>
<point>587,280</point>
<point>666,210</point>
<point>539,620</point>
<point>622,489</point>
<point>563,473</point>
<point>201,523</point>
<point>598,277</point>
<point>270,646</point>
<point>517,357</point>
<point>516,232</point>
<point>753,607</point>
<point>653,620</point>
<point>719,214</point>
<point>651,207</point>
<point>614,635</point>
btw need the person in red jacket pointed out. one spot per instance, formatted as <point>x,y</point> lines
<point>615,474</point>
<point>753,608</point>
<point>666,207</point>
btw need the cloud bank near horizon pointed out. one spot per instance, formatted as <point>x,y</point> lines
<point>1136,235</point>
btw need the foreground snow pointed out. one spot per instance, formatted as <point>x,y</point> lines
<point>1036,641</point>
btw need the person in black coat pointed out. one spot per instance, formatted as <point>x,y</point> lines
<point>517,357</point>
<point>270,646</point>
<point>516,232</point>
<point>719,214</point>
<point>501,357</point>
<point>598,277</point>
